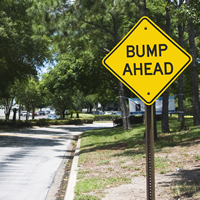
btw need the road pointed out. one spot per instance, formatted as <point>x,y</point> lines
<point>30,158</point>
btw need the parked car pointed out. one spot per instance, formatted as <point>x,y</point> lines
<point>41,112</point>
<point>35,113</point>
<point>107,113</point>
<point>53,116</point>
<point>98,112</point>
<point>46,112</point>
<point>116,113</point>
<point>23,113</point>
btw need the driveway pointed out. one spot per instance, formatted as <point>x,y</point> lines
<point>30,158</point>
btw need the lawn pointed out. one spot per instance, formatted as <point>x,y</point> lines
<point>112,157</point>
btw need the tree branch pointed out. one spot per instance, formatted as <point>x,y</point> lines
<point>99,26</point>
<point>136,3</point>
<point>105,49</point>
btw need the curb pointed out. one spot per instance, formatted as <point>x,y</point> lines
<point>69,194</point>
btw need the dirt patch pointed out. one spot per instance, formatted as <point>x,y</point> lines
<point>177,173</point>
<point>60,195</point>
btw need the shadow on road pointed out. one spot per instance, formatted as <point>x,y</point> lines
<point>12,141</point>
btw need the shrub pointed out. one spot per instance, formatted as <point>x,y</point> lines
<point>106,117</point>
<point>44,122</point>
<point>71,112</point>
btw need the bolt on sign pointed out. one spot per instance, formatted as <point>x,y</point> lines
<point>147,60</point>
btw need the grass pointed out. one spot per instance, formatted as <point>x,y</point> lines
<point>103,162</point>
<point>197,157</point>
<point>86,197</point>
<point>91,184</point>
<point>182,188</point>
<point>161,162</point>
<point>111,153</point>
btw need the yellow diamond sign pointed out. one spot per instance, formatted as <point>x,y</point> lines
<point>147,60</point>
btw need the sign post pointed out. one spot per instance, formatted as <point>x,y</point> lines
<point>149,138</point>
<point>147,61</point>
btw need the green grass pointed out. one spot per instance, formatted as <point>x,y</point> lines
<point>187,189</point>
<point>92,184</point>
<point>197,157</point>
<point>81,115</point>
<point>102,162</point>
<point>161,162</point>
<point>86,197</point>
<point>114,144</point>
<point>81,173</point>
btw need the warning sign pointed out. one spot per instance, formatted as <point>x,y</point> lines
<point>147,60</point>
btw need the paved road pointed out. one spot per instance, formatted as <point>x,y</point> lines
<point>29,159</point>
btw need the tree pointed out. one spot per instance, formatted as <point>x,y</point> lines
<point>83,31</point>
<point>58,86</point>
<point>194,69</point>
<point>8,97</point>
<point>165,118</point>
<point>90,100</point>
<point>20,51</point>
<point>181,18</point>
<point>31,96</point>
<point>85,21</point>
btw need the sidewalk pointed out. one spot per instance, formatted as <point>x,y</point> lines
<point>69,195</point>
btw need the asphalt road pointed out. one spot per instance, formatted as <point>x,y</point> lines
<point>30,158</point>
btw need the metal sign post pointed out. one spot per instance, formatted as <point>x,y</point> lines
<point>149,136</point>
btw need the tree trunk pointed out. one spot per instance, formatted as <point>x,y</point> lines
<point>61,114</point>
<point>77,115</point>
<point>180,83</point>
<point>125,117</point>
<point>14,114</point>
<point>27,115</point>
<point>154,121</point>
<point>8,108</point>
<point>33,111</point>
<point>91,106</point>
<point>194,74</point>
<point>165,117</point>
<point>142,7</point>
<point>19,108</point>
<point>122,105</point>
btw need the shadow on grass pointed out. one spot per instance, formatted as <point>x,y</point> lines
<point>116,139</point>
<point>186,183</point>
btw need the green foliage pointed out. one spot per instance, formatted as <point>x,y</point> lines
<point>58,87</point>
<point>30,95</point>
<point>20,53</point>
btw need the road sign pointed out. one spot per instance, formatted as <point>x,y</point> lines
<point>147,60</point>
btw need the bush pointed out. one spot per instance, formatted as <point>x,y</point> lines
<point>106,117</point>
<point>71,112</point>
<point>134,120</point>
<point>43,122</point>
